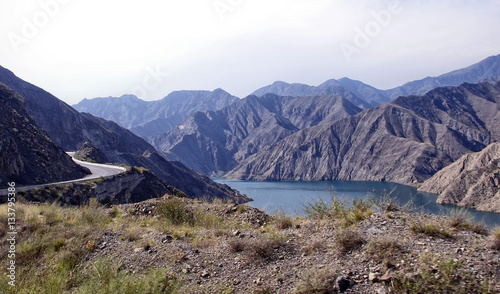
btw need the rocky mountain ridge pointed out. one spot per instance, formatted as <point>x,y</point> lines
<point>27,155</point>
<point>472,181</point>
<point>366,96</point>
<point>215,142</point>
<point>152,118</point>
<point>405,141</point>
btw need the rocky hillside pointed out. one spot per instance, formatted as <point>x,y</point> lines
<point>27,155</point>
<point>405,141</point>
<point>152,118</point>
<point>215,142</point>
<point>69,129</point>
<point>174,245</point>
<point>473,181</point>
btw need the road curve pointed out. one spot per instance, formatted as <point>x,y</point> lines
<point>97,170</point>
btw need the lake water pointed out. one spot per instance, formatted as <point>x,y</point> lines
<point>291,196</point>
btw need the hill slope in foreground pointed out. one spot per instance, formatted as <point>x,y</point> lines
<point>175,245</point>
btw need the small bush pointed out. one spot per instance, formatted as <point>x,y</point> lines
<point>383,249</point>
<point>348,239</point>
<point>282,221</point>
<point>237,245</point>
<point>321,209</point>
<point>316,281</point>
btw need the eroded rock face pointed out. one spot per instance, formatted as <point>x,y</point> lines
<point>216,142</point>
<point>405,141</point>
<point>27,155</point>
<point>472,181</point>
<point>90,153</point>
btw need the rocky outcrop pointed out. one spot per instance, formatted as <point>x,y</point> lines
<point>90,153</point>
<point>69,129</point>
<point>27,155</point>
<point>132,186</point>
<point>472,181</point>
<point>215,142</point>
<point>153,118</point>
<point>405,141</point>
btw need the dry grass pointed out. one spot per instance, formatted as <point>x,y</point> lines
<point>317,280</point>
<point>348,239</point>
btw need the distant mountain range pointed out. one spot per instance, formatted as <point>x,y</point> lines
<point>214,142</point>
<point>69,129</point>
<point>153,118</point>
<point>366,96</point>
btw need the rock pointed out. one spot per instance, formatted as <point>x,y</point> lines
<point>138,249</point>
<point>205,274</point>
<point>344,283</point>
<point>387,276</point>
<point>373,277</point>
<point>168,239</point>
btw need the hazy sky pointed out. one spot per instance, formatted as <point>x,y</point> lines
<point>79,49</point>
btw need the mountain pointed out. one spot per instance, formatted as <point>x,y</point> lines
<point>152,118</point>
<point>69,129</point>
<point>330,87</point>
<point>405,141</point>
<point>366,96</point>
<point>214,142</point>
<point>473,181</point>
<point>486,70</point>
<point>27,155</point>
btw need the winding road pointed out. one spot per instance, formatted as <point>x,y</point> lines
<point>97,170</point>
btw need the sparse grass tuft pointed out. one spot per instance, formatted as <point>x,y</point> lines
<point>495,238</point>
<point>430,228</point>
<point>282,221</point>
<point>460,219</point>
<point>438,275</point>
<point>316,280</point>
<point>384,249</point>
<point>348,239</point>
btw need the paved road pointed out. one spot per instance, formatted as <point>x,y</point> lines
<point>97,170</point>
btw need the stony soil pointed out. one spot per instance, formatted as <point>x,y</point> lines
<point>223,261</point>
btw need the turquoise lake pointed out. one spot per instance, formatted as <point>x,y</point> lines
<point>291,196</point>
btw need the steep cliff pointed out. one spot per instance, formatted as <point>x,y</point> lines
<point>473,181</point>
<point>69,129</point>
<point>27,155</point>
